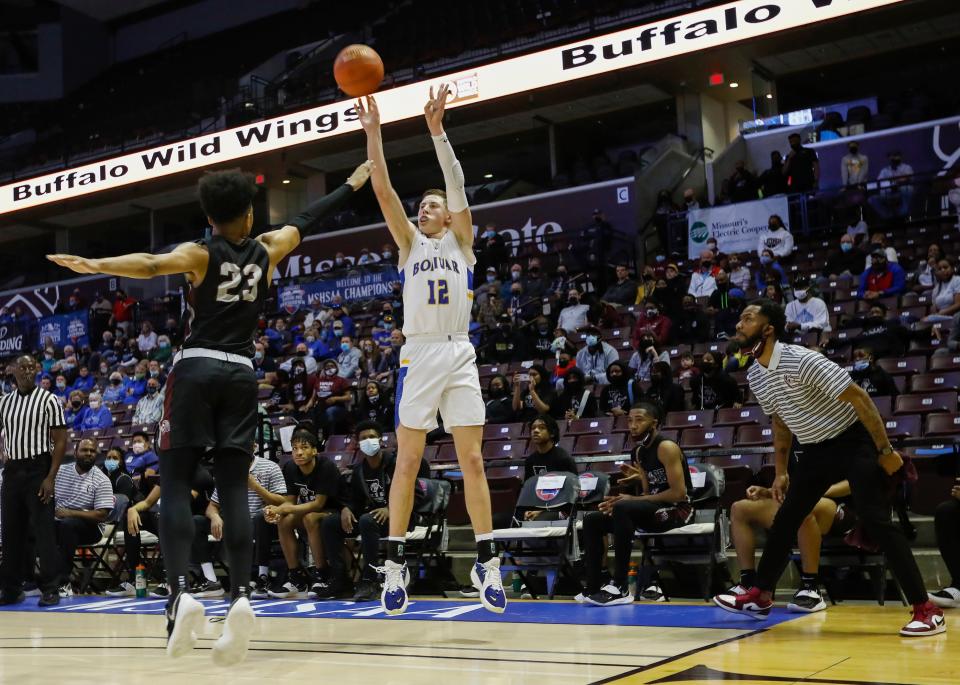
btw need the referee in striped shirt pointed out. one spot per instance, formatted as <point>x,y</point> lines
<point>36,436</point>
<point>839,435</point>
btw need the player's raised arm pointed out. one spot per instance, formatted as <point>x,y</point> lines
<point>461,221</point>
<point>390,205</point>
<point>188,258</point>
<point>283,241</point>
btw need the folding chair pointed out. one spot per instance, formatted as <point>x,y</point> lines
<point>427,543</point>
<point>95,557</point>
<point>548,545</point>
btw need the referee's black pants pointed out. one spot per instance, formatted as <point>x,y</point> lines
<point>22,511</point>
<point>853,456</point>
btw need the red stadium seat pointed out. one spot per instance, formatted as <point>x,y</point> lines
<point>926,403</point>
<point>935,382</point>
<point>344,459</point>
<point>738,417</point>
<point>339,443</point>
<point>670,434</point>
<point>899,427</point>
<point>706,438</point>
<point>502,431</point>
<point>599,444</point>
<point>884,404</point>
<point>689,419</point>
<point>601,425</point>
<point>753,436</point>
<point>903,365</point>
<point>430,453</point>
<point>945,362</point>
<point>504,449</point>
<point>446,453</point>
<point>567,442</point>
<point>942,424</point>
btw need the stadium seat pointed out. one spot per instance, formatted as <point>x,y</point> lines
<point>601,425</point>
<point>752,436</point>
<point>926,403</point>
<point>884,404</point>
<point>689,419</point>
<point>942,424</point>
<point>446,453</point>
<point>670,434</point>
<point>503,431</point>
<point>567,442</point>
<point>599,444</point>
<point>338,443</point>
<point>732,416</point>
<point>899,427</point>
<point>430,453</point>
<point>504,449</point>
<point>945,362</point>
<point>706,438</point>
<point>344,459</point>
<point>903,365</point>
<point>935,382</point>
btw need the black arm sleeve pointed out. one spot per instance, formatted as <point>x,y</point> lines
<point>306,222</point>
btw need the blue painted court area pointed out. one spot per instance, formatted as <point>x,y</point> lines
<point>649,615</point>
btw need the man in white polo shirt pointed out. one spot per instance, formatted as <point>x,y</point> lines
<point>840,435</point>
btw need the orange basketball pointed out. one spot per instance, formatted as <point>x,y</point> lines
<point>358,70</point>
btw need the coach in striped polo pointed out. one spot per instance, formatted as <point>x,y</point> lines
<point>35,438</point>
<point>840,435</point>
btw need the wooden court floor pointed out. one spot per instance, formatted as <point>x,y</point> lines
<point>845,645</point>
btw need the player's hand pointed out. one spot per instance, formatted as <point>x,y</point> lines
<point>617,411</point>
<point>955,491</point>
<point>360,175</point>
<point>45,493</point>
<point>779,488</point>
<point>531,515</point>
<point>216,528</point>
<point>631,474</point>
<point>434,109</point>
<point>570,415</point>
<point>369,114</point>
<point>606,506</point>
<point>347,520</point>
<point>81,265</point>
<point>380,515</point>
<point>757,492</point>
<point>61,513</point>
<point>133,521</point>
<point>891,462</point>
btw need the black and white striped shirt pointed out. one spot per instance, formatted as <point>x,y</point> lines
<point>26,421</point>
<point>801,387</point>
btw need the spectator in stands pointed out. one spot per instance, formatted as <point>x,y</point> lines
<point>878,241</point>
<point>773,181</point>
<point>499,403</point>
<point>739,274</point>
<point>882,279</point>
<point>947,524</point>
<point>896,191</point>
<point>702,282</point>
<point>540,339</point>
<point>491,250</point>
<point>313,483</point>
<point>147,340</point>
<point>690,201</point>
<point>856,226</point>
<point>348,359</point>
<point>653,322</point>
<point>375,405</point>
<point>573,317</point>
<point>155,370</point>
<point>95,415</point>
<point>365,512</point>
<point>505,342</point>
<point>691,325</point>
<point>150,406</point>
<point>624,291</point>
<point>743,183</point>
<point>164,351</point>
<point>85,382</point>
<point>561,283</point>
<point>673,288</point>
<point>136,387</point>
<point>807,312</point>
<point>565,362</point>
<point>927,268</point>
<point>945,298</point>
<point>49,359</point>
<point>389,362</point>
<point>83,499</point>
<point>365,257</point>
<point>536,284</point>
<point>142,514</point>
<point>777,239</point>
<point>122,316</point>
<point>595,356</point>
<point>492,284</point>
<point>73,410</point>
<point>533,394</point>
<point>302,352</point>
<point>854,167</point>
<point>645,356</point>
<point>802,167</point>
<point>725,305</point>
<point>773,291</point>
<point>332,397</point>
<point>659,475</point>
<point>886,337</point>
<point>491,309</point>
<point>758,511</point>
<point>871,377</point>
<point>546,455</point>
<point>663,392</point>
<point>59,388</point>
<point>848,261</point>
<point>620,392</point>
<point>516,276</point>
<point>769,271</point>
<point>340,315</point>
<point>520,307</point>
<point>369,358</point>
<point>263,366</point>
<point>688,367</point>
<point>576,401</point>
<point>141,460</point>
<point>713,387</point>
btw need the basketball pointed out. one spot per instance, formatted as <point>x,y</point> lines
<point>358,70</point>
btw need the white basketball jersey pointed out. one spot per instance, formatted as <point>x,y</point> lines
<point>437,283</point>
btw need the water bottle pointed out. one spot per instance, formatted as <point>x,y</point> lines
<point>632,576</point>
<point>517,583</point>
<point>140,581</point>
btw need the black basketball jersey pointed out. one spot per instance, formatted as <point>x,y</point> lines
<point>223,310</point>
<point>646,457</point>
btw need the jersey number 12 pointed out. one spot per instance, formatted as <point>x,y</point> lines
<point>227,291</point>
<point>438,292</point>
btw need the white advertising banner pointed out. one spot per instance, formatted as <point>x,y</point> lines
<point>735,226</point>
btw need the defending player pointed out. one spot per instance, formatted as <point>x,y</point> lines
<point>211,395</point>
<point>438,367</point>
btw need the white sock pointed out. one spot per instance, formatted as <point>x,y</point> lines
<point>484,536</point>
<point>263,570</point>
<point>208,573</point>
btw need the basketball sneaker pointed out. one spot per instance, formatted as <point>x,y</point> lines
<point>486,577</point>
<point>653,593</point>
<point>808,600</point>
<point>66,590</point>
<point>748,603</point>
<point>209,588</point>
<point>469,592</point>
<point>580,598</point>
<point>231,647</point>
<point>947,598</point>
<point>259,588</point>
<point>927,620</point>
<point>396,577</point>
<point>610,596</point>
<point>297,583</point>
<point>160,591</point>
<point>30,589</point>
<point>184,619</point>
<point>124,589</point>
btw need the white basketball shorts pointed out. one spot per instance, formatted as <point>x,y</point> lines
<point>439,372</point>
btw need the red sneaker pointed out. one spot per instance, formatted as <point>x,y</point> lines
<point>927,620</point>
<point>748,603</point>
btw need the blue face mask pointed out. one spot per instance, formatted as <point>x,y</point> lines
<point>111,465</point>
<point>491,278</point>
<point>345,347</point>
<point>765,260</point>
<point>846,247</point>
<point>861,365</point>
<point>591,340</point>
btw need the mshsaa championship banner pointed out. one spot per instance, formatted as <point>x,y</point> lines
<point>361,283</point>
<point>63,329</point>
<point>734,226</point>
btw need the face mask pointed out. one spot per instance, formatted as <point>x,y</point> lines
<point>563,363</point>
<point>655,378</point>
<point>154,373</point>
<point>846,247</point>
<point>706,265</point>
<point>874,320</point>
<point>299,371</point>
<point>491,278</point>
<point>561,274</point>
<point>61,384</point>
<point>515,293</point>
<point>773,227</point>
<point>489,234</point>
<point>895,161</point>
<point>387,254</point>
<point>151,390</point>
<point>115,381</point>
<point>138,448</point>
<point>614,378</point>
<point>660,259</point>
<point>111,465</point>
<point>301,353</point>
<point>854,149</point>
<point>338,261</point>
<point>544,330</point>
<point>47,355</point>
<point>574,384</point>
<point>94,404</point>
<point>497,393</point>
<point>330,372</point>
<point>311,338</point>
<point>765,260</point>
<point>574,300</point>
<point>76,404</point>
<point>258,355</point>
<point>515,275</point>
<point>139,376</point>
<point>652,313</point>
<point>164,345</point>
<point>104,370</point>
<point>801,294</point>
<point>345,347</point>
<point>591,340</point>
<point>861,365</point>
<point>370,446</point>
<point>373,399</point>
<point>708,367</point>
<point>388,326</point>
<point>338,331</point>
<point>794,146</point>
